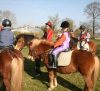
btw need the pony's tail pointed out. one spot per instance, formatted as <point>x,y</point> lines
<point>16,74</point>
<point>96,69</point>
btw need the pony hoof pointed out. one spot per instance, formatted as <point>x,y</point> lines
<point>49,89</point>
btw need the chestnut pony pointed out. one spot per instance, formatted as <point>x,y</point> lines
<point>11,69</point>
<point>81,60</point>
<point>92,45</point>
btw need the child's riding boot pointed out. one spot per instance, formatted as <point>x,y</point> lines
<point>53,62</point>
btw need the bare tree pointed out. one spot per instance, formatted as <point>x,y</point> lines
<point>71,22</point>
<point>8,15</point>
<point>93,12</point>
<point>55,21</point>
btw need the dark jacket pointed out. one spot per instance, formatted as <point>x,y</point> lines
<point>6,37</point>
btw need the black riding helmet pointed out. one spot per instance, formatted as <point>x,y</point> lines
<point>65,24</point>
<point>82,27</point>
<point>6,23</point>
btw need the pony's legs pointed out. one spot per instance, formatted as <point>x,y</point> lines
<point>91,78</point>
<point>88,83</point>
<point>1,82</point>
<point>30,55</point>
<point>37,66</point>
<point>6,80</point>
<point>53,81</point>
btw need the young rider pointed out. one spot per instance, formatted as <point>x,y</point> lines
<point>6,35</point>
<point>48,34</point>
<point>60,45</point>
<point>83,38</point>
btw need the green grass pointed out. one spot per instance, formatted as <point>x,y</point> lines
<point>66,82</point>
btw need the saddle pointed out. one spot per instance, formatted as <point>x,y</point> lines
<point>64,58</point>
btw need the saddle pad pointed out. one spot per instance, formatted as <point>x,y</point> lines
<point>85,46</point>
<point>64,58</point>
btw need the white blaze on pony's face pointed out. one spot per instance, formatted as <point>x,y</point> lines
<point>20,44</point>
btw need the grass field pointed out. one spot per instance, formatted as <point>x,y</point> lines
<point>67,82</point>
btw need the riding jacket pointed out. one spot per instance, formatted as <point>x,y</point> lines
<point>61,44</point>
<point>48,34</point>
<point>84,36</point>
<point>6,37</point>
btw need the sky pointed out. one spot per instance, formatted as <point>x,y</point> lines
<point>37,12</point>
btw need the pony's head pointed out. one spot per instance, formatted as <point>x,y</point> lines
<point>39,47</point>
<point>22,40</point>
<point>20,43</point>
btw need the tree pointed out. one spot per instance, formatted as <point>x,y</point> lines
<point>8,15</point>
<point>71,22</point>
<point>93,12</point>
<point>55,21</point>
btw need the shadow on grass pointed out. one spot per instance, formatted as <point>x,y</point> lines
<point>29,68</point>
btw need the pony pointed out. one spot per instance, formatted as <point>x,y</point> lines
<point>82,61</point>
<point>74,42</point>
<point>22,40</point>
<point>11,69</point>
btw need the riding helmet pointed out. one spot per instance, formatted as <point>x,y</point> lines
<point>49,23</point>
<point>6,23</point>
<point>65,24</point>
<point>71,30</point>
<point>82,27</point>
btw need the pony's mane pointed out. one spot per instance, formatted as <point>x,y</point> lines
<point>45,42</point>
<point>38,42</point>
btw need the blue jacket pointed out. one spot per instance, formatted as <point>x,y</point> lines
<point>6,37</point>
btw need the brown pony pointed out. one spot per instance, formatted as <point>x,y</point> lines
<point>92,45</point>
<point>22,40</point>
<point>11,69</point>
<point>81,60</point>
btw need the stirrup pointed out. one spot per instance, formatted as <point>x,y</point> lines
<point>52,67</point>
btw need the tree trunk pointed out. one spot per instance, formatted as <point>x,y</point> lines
<point>93,26</point>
